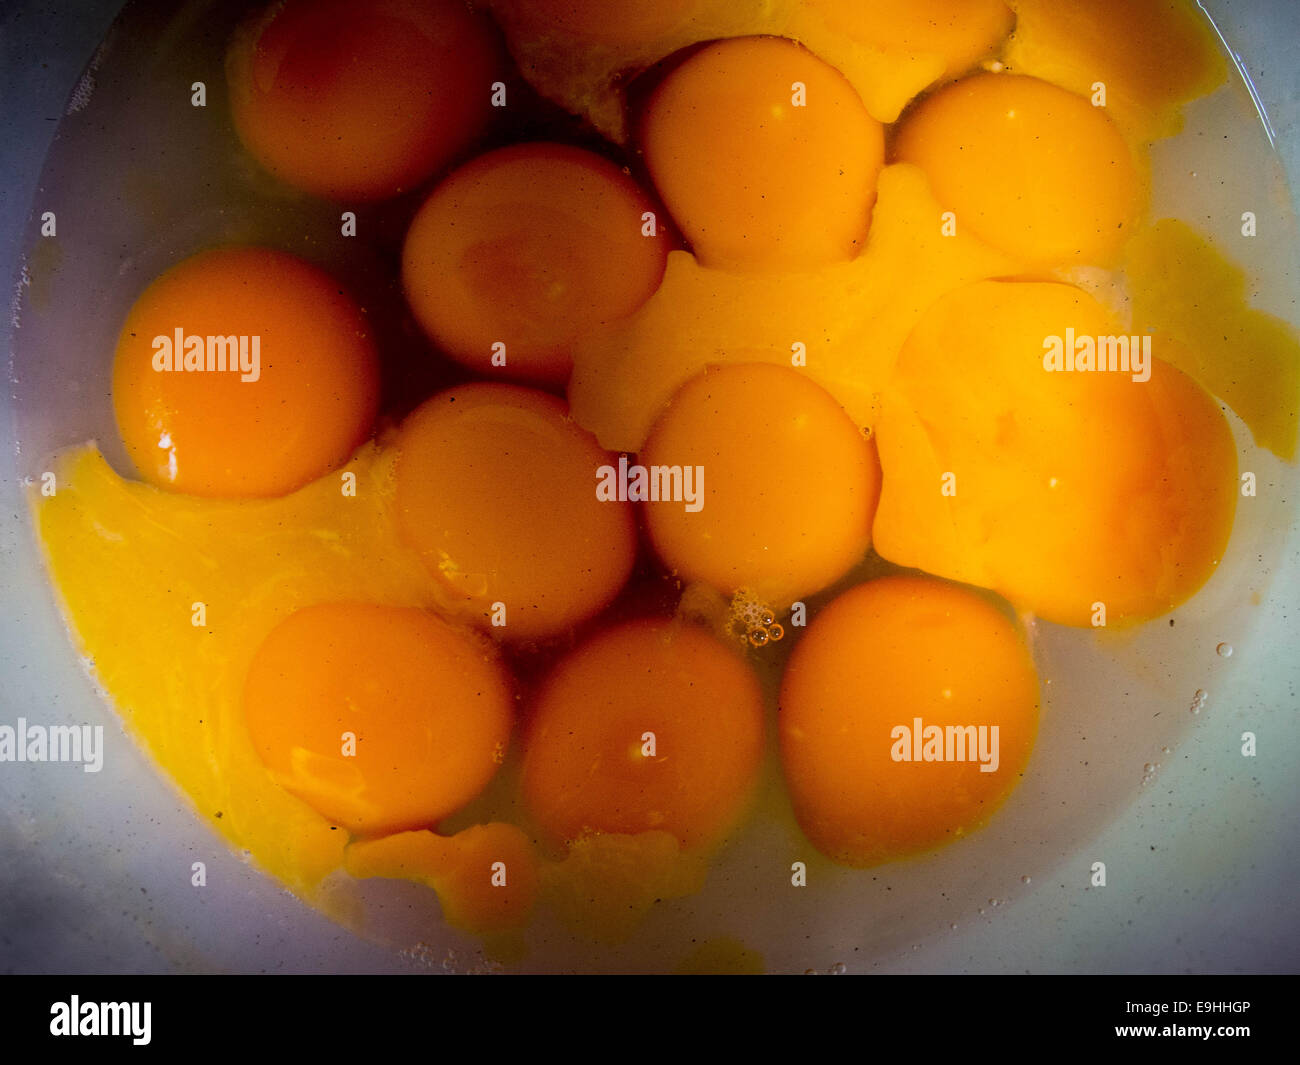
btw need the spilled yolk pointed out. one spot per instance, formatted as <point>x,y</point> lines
<point>649,726</point>
<point>243,372</point>
<point>522,251</point>
<point>362,99</point>
<point>879,668</point>
<point>786,483</point>
<point>381,718</point>
<point>764,155</point>
<point>586,55</point>
<point>957,32</point>
<point>846,323</point>
<point>496,491</point>
<point>1034,170</point>
<point>487,877</point>
<point>1151,56</point>
<point>1194,300</point>
<point>1061,490</point>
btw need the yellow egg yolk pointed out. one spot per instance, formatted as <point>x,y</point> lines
<point>243,372</point>
<point>908,711</point>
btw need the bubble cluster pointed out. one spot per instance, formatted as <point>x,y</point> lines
<point>753,621</point>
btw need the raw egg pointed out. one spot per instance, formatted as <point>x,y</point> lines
<point>786,485</point>
<point>496,491</point>
<point>1034,170</point>
<point>1086,495</point>
<point>519,253</point>
<point>382,718</point>
<point>764,155</point>
<point>243,372</point>
<point>362,99</point>
<point>649,726</point>
<point>908,711</point>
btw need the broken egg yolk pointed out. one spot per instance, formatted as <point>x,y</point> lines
<point>522,251</point>
<point>381,718</point>
<point>764,156</point>
<point>786,483</point>
<point>495,489</point>
<point>908,712</point>
<point>1085,496</point>
<point>243,372</point>
<point>1034,170</point>
<point>650,725</point>
<point>362,99</point>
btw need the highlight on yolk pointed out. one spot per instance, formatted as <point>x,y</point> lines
<point>787,483</point>
<point>651,725</point>
<point>496,490</point>
<point>381,718</point>
<point>764,155</point>
<point>243,372</point>
<point>487,877</point>
<point>362,99</point>
<point>1033,170</point>
<point>1071,491</point>
<point>908,712</point>
<point>959,32</point>
<point>524,250</point>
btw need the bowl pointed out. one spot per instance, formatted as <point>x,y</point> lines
<point>1138,764</point>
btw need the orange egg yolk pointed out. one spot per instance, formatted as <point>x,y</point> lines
<point>519,253</point>
<point>908,712</point>
<point>1087,497</point>
<point>362,99</point>
<point>381,718</point>
<point>496,490</point>
<point>785,485</point>
<point>764,155</point>
<point>651,725</point>
<point>243,372</point>
<point>1033,170</point>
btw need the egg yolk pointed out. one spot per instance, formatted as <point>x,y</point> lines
<point>1033,170</point>
<point>519,253</point>
<point>907,714</point>
<point>1087,497</point>
<point>496,490</point>
<point>362,99</point>
<point>651,725</point>
<point>1152,56</point>
<point>786,484</point>
<point>764,155</point>
<point>487,877</point>
<point>243,372</point>
<point>958,32</point>
<point>380,718</point>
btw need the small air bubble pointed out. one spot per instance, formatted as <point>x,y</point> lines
<point>1224,650</point>
<point>1026,880</point>
<point>1199,700</point>
<point>758,637</point>
<point>776,632</point>
<point>993,902</point>
<point>766,618</point>
<point>839,969</point>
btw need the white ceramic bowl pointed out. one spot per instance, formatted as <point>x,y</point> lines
<point>1199,843</point>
